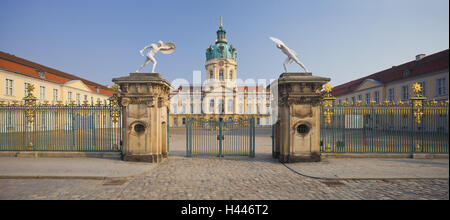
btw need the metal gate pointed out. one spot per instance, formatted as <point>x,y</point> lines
<point>220,138</point>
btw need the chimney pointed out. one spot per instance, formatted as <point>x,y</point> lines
<point>420,56</point>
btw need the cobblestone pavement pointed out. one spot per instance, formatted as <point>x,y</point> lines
<point>212,178</point>
<point>259,178</point>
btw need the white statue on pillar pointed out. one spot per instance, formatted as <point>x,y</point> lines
<point>291,54</point>
<point>165,48</point>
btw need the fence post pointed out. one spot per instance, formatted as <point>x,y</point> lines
<point>220,137</point>
<point>188,124</point>
<point>253,137</point>
<point>417,104</point>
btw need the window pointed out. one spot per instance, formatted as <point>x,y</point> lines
<point>55,95</point>
<point>42,92</point>
<point>368,98</point>
<point>405,93</point>
<point>183,121</point>
<point>250,109</point>
<point>211,106</point>
<point>183,109</point>
<point>192,108</point>
<point>25,92</point>
<point>353,99</point>
<point>221,106</point>
<point>221,75</point>
<point>211,75</point>
<point>391,94</point>
<point>241,108</point>
<point>79,99</point>
<point>175,121</point>
<point>231,75</point>
<point>9,87</point>
<point>440,87</point>
<point>258,121</point>
<point>85,97</point>
<point>174,108</point>
<point>69,96</point>
<point>230,105</point>
<point>360,97</point>
<point>376,96</point>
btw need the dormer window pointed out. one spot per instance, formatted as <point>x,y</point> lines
<point>41,74</point>
<point>406,73</point>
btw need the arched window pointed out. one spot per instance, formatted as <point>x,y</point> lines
<point>230,105</point>
<point>211,75</point>
<point>221,75</point>
<point>221,106</point>
<point>231,75</point>
<point>211,106</point>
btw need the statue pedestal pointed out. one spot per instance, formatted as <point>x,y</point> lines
<point>145,97</point>
<point>297,131</point>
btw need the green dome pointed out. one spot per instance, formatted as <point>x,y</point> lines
<point>221,49</point>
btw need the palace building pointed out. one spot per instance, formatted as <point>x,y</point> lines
<point>394,84</point>
<point>51,86</point>
<point>220,97</point>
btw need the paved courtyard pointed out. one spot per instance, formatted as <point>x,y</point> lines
<point>237,179</point>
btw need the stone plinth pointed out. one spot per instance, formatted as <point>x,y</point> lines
<point>145,97</point>
<point>297,130</point>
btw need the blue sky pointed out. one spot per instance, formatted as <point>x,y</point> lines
<point>341,39</point>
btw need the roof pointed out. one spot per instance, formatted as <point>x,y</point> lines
<point>32,69</point>
<point>428,64</point>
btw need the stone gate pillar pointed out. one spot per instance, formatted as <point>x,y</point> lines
<point>145,97</point>
<point>297,130</point>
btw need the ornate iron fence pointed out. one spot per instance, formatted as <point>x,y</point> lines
<point>412,127</point>
<point>42,127</point>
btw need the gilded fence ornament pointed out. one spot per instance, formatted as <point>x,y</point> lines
<point>2,103</point>
<point>30,103</point>
<point>114,102</point>
<point>85,103</point>
<point>386,103</point>
<point>417,101</point>
<point>328,103</point>
<point>418,148</point>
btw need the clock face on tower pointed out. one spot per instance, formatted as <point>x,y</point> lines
<point>221,63</point>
